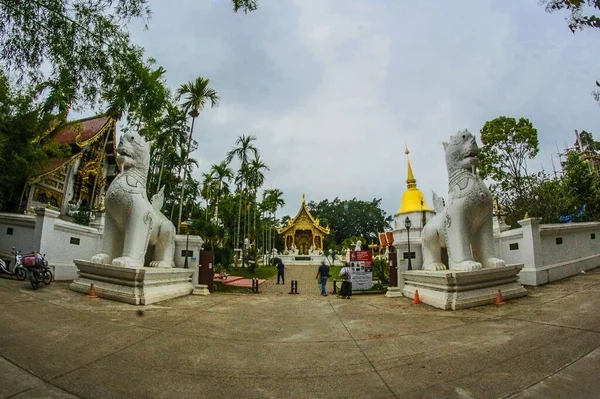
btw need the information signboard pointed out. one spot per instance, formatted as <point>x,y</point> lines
<point>361,270</point>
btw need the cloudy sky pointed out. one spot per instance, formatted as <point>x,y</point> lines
<point>334,89</point>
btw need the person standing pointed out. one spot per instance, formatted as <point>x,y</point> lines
<point>323,275</point>
<point>346,290</point>
<point>280,272</point>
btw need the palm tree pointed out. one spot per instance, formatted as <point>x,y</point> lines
<point>241,152</point>
<point>275,200</point>
<point>170,136</point>
<point>223,174</point>
<point>197,94</point>
<point>208,190</point>
<point>256,179</point>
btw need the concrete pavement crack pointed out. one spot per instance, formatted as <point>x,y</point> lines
<point>552,374</point>
<point>156,332</point>
<point>361,351</point>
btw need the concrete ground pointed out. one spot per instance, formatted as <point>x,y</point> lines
<point>60,344</point>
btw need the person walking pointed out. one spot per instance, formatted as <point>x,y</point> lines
<point>323,274</point>
<point>280,272</point>
<point>346,290</point>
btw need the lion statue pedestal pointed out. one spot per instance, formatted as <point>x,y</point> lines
<point>135,233</point>
<point>463,228</point>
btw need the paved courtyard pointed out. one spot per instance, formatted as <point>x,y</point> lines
<point>60,344</point>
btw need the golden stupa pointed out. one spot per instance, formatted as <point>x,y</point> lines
<point>413,199</point>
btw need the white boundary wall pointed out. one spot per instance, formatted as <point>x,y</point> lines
<point>549,252</point>
<point>60,240</point>
<point>63,241</point>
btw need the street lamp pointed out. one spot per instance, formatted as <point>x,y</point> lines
<point>188,223</point>
<point>407,224</point>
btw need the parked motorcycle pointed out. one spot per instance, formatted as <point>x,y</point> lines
<point>18,270</point>
<point>38,269</point>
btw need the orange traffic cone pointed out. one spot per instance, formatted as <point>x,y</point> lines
<point>499,299</point>
<point>416,299</point>
<point>92,292</point>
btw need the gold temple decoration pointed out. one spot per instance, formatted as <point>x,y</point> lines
<point>413,199</point>
<point>304,233</point>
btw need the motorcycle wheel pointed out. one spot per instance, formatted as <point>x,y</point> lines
<point>35,283</point>
<point>21,274</point>
<point>47,277</point>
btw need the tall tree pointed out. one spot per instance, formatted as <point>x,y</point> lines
<point>197,94</point>
<point>223,174</point>
<point>348,218</point>
<point>274,200</point>
<point>82,43</point>
<point>507,145</point>
<point>244,148</point>
<point>256,179</point>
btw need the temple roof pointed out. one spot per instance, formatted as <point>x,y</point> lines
<point>304,210</point>
<point>413,199</point>
<point>78,133</point>
<point>83,131</point>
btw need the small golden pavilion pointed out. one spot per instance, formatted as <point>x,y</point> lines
<point>413,200</point>
<point>303,234</point>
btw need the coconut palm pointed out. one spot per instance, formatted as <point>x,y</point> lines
<point>256,179</point>
<point>242,152</point>
<point>223,174</point>
<point>274,198</point>
<point>197,95</point>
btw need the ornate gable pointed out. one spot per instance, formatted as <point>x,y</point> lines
<point>304,221</point>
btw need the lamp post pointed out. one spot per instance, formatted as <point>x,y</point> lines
<point>407,224</point>
<point>188,222</point>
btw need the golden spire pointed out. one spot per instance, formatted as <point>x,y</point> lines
<point>411,182</point>
<point>413,199</point>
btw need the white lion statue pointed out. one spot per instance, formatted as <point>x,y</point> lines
<point>133,223</point>
<point>464,225</point>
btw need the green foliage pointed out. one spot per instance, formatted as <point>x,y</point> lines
<point>507,145</point>
<point>21,156</point>
<point>83,43</point>
<point>349,242</point>
<point>381,270</point>
<point>245,5</point>
<point>349,218</point>
<point>583,185</point>
<point>81,216</point>
<point>580,12</point>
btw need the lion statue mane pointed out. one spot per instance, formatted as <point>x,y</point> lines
<point>134,224</point>
<point>464,224</point>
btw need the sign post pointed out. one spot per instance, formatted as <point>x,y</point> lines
<point>361,270</point>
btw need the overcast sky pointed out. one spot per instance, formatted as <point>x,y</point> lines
<point>334,89</point>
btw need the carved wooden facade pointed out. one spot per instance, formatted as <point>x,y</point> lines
<point>80,179</point>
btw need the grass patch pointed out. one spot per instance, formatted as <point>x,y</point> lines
<point>334,271</point>
<point>262,272</point>
<point>220,287</point>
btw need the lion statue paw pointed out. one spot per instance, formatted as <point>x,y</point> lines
<point>160,263</point>
<point>435,266</point>
<point>101,259</point>
<point>493,263</point>
<point>126,261</point>
<point>467,266</point>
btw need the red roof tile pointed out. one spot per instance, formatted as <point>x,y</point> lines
<point>85,129</point>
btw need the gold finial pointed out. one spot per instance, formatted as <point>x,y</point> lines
<point>411,182</point>
<point>406,149</point>
<point>303,198</point>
